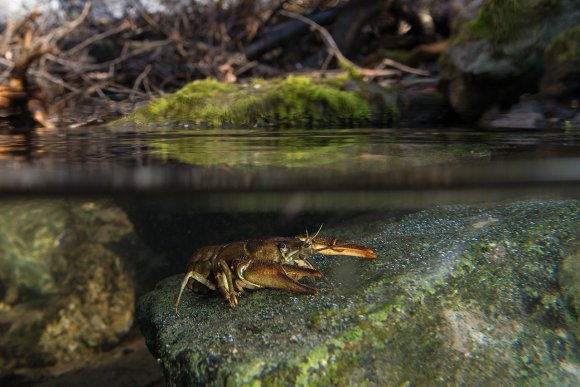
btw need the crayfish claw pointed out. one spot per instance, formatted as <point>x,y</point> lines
<point>278,276</point>
<point>337,248</point>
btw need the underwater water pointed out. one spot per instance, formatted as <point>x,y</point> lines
<point>476,233</point>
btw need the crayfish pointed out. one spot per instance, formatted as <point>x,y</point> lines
<point>276,262</point>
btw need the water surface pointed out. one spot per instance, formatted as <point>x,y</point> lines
<point>430,165</point>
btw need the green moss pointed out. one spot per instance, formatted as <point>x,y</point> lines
<point>566,46</point>
<point>569,283</point>
<point>350,68</point>
<point>511,273</point>
<point>293,101</point>
<point>196,103</point>
<point>501,21</point>
<point>497,20</point>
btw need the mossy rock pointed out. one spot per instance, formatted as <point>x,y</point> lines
<point>566,46</point>
<point>562,65</point>
<point>459,295</point>
<point>569,282</point>
<point>498,54</point>
<point>503,21</point>
<point>58,312</point>
<point>296,101</point>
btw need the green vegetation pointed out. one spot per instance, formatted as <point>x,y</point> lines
<point>497,19</point>
<point>503,21</point>
<point>296,101</point>
<point>194,103</point>
<point>566,46</point>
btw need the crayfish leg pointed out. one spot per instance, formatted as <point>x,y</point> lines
<point>277,276</point>
<point>225,283</point>
<point>195,276</point>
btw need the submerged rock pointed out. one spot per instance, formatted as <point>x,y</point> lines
<point>562,65</point>
<point>525,114</point>
<point>66,293</point>
<point>31,234</point>
<point>461,294</point>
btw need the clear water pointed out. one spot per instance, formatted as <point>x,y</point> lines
<point>382,167</point>
<point>143,200</point>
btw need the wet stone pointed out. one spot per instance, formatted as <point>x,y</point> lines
<point>497,54</point>
<point>458,294</point>
<point>64,294</point>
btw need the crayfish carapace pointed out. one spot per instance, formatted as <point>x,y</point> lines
<point>275,262</point>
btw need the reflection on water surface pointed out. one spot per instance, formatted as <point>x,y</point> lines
<point>314,162</point>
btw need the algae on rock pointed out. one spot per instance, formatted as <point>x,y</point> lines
<point>458,295</point>
<point>69,295</point>
<point>296,101</point>
<point>562,65</point>
<point>497,55</point>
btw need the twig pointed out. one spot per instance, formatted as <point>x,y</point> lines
<point>58,33</point>
<point>274,12</point>
<point>402,67</point>
<point>58,81</point>
<point>8,63</point>
<point>333,48</point>
<point>13,28</point>
<point>147,88</point>
<point>286,31</point>
<point>326,62</point>
<point>120,28</point>
<point>82,68</point>
<point>18,73</point>
<point>120,89</point>
<point>246,67</point>
<point>95,87</point>
<point>7,36</point>
<point>138,81</point>
<point>148,19</point>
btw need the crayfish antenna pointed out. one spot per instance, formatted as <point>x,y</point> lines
<point>315,234</point>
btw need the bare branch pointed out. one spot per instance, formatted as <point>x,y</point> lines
<point>138,81</point>
<point>333,48</point>
<point>402,67</point>
<point>95,38</point>
<point>58,33</point>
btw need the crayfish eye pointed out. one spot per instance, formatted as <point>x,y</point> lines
<point>282,246</point>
